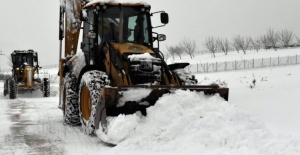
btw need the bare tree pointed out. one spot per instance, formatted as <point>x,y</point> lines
<point>256,43</point>
<point>273,38</point>
<point>167,55</point>
<point>211,44</point>
<point>235,45</point>
<point>298,41</point>
<point>247,41</point>
<point>242,42</point>
<point>224,45</point>
<point>171,51</point>
<point>189,46</point>
<point>286,37</point>
<point>175,50</point>
<point>263,40</point>
<point>178,51</point>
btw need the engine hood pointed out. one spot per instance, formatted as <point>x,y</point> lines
<point>131,48</point>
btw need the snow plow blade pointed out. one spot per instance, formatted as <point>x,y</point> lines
<point>110,96</point>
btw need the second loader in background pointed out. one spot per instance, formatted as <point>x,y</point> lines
<point>25,75</point>
<point>117,55</point>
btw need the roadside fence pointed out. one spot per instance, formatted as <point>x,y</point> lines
<point>219,66</point>
<point>244,64</point>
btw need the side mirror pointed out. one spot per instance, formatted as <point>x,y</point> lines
<point>164,18</point>
<point>84,16</point>
<point>161,37</point>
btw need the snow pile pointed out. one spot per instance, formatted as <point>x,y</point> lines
<point>119,128</point>
<point>198,124</point>
<point>137,57</point>
<point>186,76</point>
<point>139,94</point>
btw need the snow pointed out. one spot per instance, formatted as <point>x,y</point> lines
<point>139,94</point>
<point>116,1</point>
<point>276,89</point>
<point>70,8</point>
<point>260,118</point>
<point>185,76</point>
<point>79,63</point>
<point>119,128</point>
<point>136,57</point>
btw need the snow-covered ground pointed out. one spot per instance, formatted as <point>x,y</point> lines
<point>260,118</point>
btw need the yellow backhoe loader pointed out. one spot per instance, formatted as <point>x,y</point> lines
<point>119,52</point>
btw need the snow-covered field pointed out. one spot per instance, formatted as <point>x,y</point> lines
<point>260,118</point>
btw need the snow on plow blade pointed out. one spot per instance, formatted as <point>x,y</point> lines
<point>109,104</point>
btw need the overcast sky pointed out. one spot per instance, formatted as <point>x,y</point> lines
<point>33,24</point>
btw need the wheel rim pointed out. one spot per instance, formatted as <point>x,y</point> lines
<point>85,103</point>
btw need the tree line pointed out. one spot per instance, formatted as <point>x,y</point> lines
<point>270,40</point>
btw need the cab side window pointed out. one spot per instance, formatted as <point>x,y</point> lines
<point>88,43</point>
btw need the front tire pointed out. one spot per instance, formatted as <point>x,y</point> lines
<point>89,96</point>
<point>5,92</point>
<point>46,87</point>
<point>12,88</point>
<point>70,100</point>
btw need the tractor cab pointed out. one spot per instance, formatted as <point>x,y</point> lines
<point>110,24</point>
<point>23,59</point>
<point>20,58</point>
<point>126,24</point>
<point>112,33</point>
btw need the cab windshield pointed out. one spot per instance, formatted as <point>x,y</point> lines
<point>21,59</point>
<point>126,24</point>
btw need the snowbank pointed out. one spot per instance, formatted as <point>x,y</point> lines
<point>191,123</point>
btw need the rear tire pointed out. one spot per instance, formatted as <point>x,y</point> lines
<point>5,92</point>
<point>46,87</point>
<point>12,88</point>
<point>70,100</point>
<point>89,96</point>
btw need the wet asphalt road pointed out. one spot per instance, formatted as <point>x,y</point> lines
<point>29,130</point>
<point>32,124</point>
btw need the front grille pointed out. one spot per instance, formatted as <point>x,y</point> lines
<point>145,70</point>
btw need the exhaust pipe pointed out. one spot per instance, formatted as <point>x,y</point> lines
<point>29,76</point>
